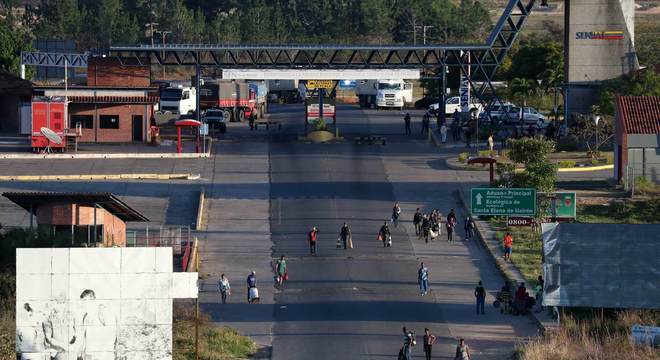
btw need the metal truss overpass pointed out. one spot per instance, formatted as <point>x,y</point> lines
<point>478,63</point>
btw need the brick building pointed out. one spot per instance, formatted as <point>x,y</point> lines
<point>116,105</point>
<point>93,219</point>
<point>637,137</point>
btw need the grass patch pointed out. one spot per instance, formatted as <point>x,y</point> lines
<point>526,254</point>
<point>584,335</point>
<point>644,186</point>
<point>215,343</point>
<point>620,212</point>
<point>567,164</point>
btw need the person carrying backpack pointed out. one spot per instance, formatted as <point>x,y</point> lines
<point>480,295</point>
<point>417,221</point>
<point>423,279</point>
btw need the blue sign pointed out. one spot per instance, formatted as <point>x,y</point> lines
<point>347,84</point>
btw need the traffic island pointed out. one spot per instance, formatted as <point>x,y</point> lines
<point>320,136</point>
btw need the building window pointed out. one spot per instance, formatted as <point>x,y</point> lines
<point>109,121</point>
<point>86,121</point>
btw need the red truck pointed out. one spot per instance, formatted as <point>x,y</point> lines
<point>235,98</point>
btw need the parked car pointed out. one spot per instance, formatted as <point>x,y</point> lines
<point>454,103</point>
<point>498,113</point>
<point>215,119</point>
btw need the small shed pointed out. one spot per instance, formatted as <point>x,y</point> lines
<point>637,138</point>
<point>93,219</point>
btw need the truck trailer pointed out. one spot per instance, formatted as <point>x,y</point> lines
<point>235,98</point>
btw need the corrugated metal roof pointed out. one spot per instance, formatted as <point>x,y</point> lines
<point>31,200</point>
<point>639,114</point>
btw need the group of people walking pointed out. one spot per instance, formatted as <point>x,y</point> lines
<point>427,226</point>
<point>410,342</point>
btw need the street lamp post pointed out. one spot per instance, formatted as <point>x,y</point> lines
<point>163,35</point>
<point>151,32</point>
<point>596,120</point>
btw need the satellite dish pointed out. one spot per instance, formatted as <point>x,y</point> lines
<point>51,135</point>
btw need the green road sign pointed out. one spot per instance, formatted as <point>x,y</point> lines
<point>563,205</point>
<point>503,201</point>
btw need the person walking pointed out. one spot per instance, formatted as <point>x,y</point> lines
<point>224,288</point>
<point>280,271</point>
<point>426,227</point>
<point>468,226</point>
<point>462,351</point>
<point>406,119</point>
<point>491,144</point>
<point>423,279</point>
<point>408,342</point>
<point>508,246</point>
<point>311,238</point>
<point>443,133</point>
<point>429,340</point>
<point>539,293</point>
<point>480,295</point>
<point>396,212</point>
<point>384,235</point>
<point>451,225</point>
<point>417,221</point>
<point>251,120</point>
<point>251,284</point>
<point>345,236</point>
<point>504,297</point>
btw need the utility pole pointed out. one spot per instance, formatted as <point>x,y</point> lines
<point>151,31</point>
<point>424,31</point>
<point>163,35</point>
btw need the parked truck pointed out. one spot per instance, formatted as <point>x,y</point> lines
<point>284,91</point>
<point>234,97</point>
<point>179,100</point>
<point>384,93</point>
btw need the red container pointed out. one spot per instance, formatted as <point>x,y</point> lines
<point>52,116</point>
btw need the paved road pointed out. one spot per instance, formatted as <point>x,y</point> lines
<point>352,304</point>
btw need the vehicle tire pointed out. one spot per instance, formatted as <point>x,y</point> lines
<point>222,128</point>
<point>226,114</point>
<point>241,115</point>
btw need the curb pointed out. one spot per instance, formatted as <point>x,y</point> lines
<point>586,168</point>
<point>574,169</point>
<point>101,177</point>
<point>200,210</point>
<point>499,263</point>
<point>107,156</point>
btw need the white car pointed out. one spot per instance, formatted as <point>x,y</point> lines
<point>454,104</point>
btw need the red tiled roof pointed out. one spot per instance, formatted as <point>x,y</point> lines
<point>639,114</point>
<point>114,99</point>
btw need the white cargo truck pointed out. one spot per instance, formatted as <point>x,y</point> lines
<point>384,93</point>
<point>178,100</point>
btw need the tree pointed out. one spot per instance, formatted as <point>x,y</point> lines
<point>591,134</point>
<point>12,42</point>
<point>115,24</point>
<point>531,60</point>
<point>523,88</point>
<point>538,172</point>
<point>643,83</point>
<point>59,20</point>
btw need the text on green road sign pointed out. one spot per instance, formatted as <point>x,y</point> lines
<point>502,201</point>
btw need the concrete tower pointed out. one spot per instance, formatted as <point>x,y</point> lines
<point>598,45</point>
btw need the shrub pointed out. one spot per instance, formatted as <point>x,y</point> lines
<point>595,162</point>
<point>462,157</point>
<point>567,164</point>
<point>485,153</point>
